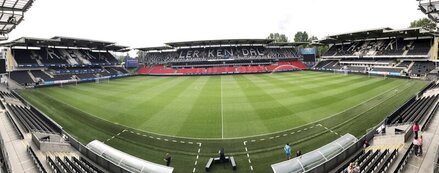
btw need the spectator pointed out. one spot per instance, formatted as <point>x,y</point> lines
<point>387,121</point>
<point>356,167</point>
<point>353,168</point>
<point>366,143</point>
<point>298,153</point>
<point>399,119</point>
<point>420,141</point>
<point>287,150</point>
<point>416,145</point>
<point>222,156</point>
<point>167,159</point>
<point>416,129</point>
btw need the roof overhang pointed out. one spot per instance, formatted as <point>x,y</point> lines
<point>377,34</point>
<point>220,42</point>
<point>12,14</point>
<point>293,44</point>
<point>158,48</point>
<point>65,42</point>
<point>430,8</point>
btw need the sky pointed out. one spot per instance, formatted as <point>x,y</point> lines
<point>144,23</point>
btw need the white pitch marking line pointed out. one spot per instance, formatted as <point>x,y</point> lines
<point>198,156</point>
<point>248,155</point>
<point>329,130</point>
<point>222,108</point>
<point>116,135</point>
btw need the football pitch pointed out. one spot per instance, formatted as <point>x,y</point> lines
<point>251,116</point>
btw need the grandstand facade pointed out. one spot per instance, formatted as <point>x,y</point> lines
<point>32,62</point>
<point>407,52</point>
<point>39,62</point>
<point>210,57</point>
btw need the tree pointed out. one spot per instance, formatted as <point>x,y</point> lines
<point>424,23</point>
<point>301,37</point>
<point>322,50</point>
<point>313,38</point>
<point>278,37</point>
<point>140,54</point>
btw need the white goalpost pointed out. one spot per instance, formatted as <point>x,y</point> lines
<point>102,80</point>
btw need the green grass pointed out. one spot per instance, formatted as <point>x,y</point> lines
<point>222,111</point>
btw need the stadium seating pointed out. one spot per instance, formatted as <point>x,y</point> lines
<point>40,74</point>
<point>30,120</point>
<point>247,53</point>
<point>370,161</point>
<point>46,66</point>
<point>386,56</point>
<point>422,67</point>
<point>35,159</point>
<point>20,134</point>
<point>22,77</point>
<point>389,47</point>
<point>421,47</point>
<point>4,94</point>
<point>282,65</point>
<point>416,110</point>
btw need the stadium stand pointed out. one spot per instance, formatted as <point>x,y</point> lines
<point>20,134</point>
<point>213,57</point>
<point>40,65</point>
<point>22,77</point>
<point>29,119</point>
<point>417,110</point>
<point>381,51</point>
<point>37,162</point>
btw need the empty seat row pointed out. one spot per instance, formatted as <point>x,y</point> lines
<point>35,159</point>
<point>22,77</point>
<point>416,110</point>
<point>6,94</point>
<point>370,161</point>
<point>29,119</point>
<point>72,165</point>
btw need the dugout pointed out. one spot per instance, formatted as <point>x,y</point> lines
<point>313,159</point>
<point>126,161</point>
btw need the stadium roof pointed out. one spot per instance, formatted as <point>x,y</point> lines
<point>65,42</point>
<point>12,13</point>
<point>430,8</point>
<point>288,43</point>
<point>219,42</point>
<point>158,48</point>
<point>376,33</point>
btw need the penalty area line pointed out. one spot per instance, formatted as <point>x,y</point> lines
<point>248,155</point>
<point>116,135</point>
<point>198,156</point>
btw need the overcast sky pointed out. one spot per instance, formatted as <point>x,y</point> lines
<point>140,23</point>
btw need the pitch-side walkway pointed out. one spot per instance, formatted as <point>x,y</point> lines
<point>18,156</point>
<point>425,162</point>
